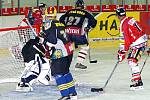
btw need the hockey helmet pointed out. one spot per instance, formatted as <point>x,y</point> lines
<point>51,13</point>
<point>37,14</point>
<point>42,5</point>
<point>79,3</point>
<point>120,11</point>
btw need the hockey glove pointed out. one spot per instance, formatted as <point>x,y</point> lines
<point>86,29</point>
<point>49,53</point>
<point>42,34</point>
<point>148,51</point>
<point>121,55</point>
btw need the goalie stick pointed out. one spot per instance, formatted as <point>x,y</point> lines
<point>31,27</point>
<point>102,89</point>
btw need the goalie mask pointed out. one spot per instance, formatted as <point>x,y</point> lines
<point>51,13</point>
<point>79,4</point>
<point>121,12</point>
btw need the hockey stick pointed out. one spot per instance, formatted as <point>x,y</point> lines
<point>89,51</point>
<point>91,61</point>
<point>31,27</point>
<point>144,63</point>
<point>102,89</point>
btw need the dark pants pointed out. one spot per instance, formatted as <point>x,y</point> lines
<point>79,40</point>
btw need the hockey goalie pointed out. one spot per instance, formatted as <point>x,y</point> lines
<point>37,66</point>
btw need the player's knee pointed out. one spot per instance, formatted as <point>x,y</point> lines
<point>85,48</point>
<point>132,62</point>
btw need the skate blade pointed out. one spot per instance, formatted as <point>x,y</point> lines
<point>24,89</point>
<point>136,88</point>
<point>73,97</point>
<point>77,69</point>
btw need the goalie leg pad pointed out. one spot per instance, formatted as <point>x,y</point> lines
<point>45,68</point>
<point>30,72</point>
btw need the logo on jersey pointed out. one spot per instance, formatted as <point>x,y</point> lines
<point>73,30</point>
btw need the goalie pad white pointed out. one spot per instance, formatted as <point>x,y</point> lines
<point>45,70</point>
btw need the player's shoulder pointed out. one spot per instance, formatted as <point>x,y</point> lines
<point>131,20</point>
<point>57,23</point>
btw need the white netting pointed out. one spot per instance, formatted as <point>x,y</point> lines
<point>11,42</point>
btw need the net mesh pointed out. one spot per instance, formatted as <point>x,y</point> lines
<point>11,42</point>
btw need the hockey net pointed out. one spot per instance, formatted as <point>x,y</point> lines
<point>11,42</point>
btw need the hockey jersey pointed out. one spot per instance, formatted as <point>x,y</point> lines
<point>76,20</point>
<point>55,36</point>
<point>134,36</point>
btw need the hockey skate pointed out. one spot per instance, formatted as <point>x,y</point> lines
<point>64,98</point>
<point>137,85</point>
<point>73,96</point>
<point>79,65</point>
<point>24,87</point>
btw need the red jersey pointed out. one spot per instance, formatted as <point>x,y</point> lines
<point>134,37</point>
<point>38,19</point>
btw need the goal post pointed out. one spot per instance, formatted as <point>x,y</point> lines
<point>11,42</point>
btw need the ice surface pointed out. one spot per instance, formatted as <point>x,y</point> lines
<point>95,76</point>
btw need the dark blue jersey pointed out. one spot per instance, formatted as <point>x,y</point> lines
<point>55,36</point>
<point>78,17</point>
<point>77,22</point>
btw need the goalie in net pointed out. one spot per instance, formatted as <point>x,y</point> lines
<point>54,44</point>
<point>37,66</point>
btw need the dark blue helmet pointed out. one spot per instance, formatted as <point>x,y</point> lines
<point>79,3</point>
<point>121,12</point>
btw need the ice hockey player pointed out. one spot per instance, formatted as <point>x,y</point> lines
<point>135,41</point>
<point>34,16</point>
<point>37,66</point>
<point>60,51</point>
<point>37,14</point>
<point>77,24</point>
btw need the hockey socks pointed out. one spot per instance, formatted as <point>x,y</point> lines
<point>70,84</point>
<point>62,86</point>
<point>66,85</point>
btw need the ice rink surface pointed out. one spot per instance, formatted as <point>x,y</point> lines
<point>94,76</point>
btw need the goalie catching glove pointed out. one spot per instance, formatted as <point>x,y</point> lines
<point>121,55</point>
